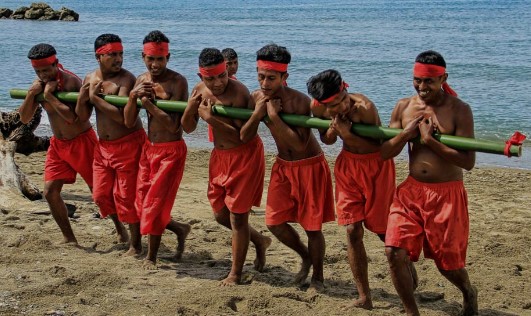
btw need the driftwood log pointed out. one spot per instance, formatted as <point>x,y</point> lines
<point>17,137</point>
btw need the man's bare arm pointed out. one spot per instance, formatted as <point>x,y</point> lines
<point>297,137</point>
<point>83,105</point>
<point>328,136</point>
<point>191,115</point>
<point>464,128</point>
<point>392,147</point>
<point>29,105</point>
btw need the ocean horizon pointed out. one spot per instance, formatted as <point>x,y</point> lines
<point>373,44</point>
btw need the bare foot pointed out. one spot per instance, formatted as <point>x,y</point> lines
<point>316,287</point>
<point>181,239</point>
<point>132,252</point>
<point>149,265</point>
<point>231,280</point>
<point>364,303</point>
<point>301,276</point>
<point>122,234</point>
<point>68,242</point>
<point>414,275</point>
<point>470,304</point>
<point>261,247</point>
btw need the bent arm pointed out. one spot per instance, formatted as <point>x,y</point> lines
<point>392,147</point>
<point>83,105</point>
<point>297,137</point>
<point>131,110</point>
<point>464,128</point>
<point>250,128</point>
<point>27,108</point>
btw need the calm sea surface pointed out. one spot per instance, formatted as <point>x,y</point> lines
<point>486,44</point>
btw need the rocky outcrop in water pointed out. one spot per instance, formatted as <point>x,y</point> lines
<point>39,11</point>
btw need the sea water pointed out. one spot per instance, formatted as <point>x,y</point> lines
<point>373,44</point>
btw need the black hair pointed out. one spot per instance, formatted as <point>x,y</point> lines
<point>41,51</point>
<point>325,84</point>
<point>275,53</point>
<point>229,54</point>
<point>105,39</point>
<point>431,57</point>
<point>210,57</point>
<point>156,37</point>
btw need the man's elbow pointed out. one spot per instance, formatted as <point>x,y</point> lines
<point>24,119</point>
<point>385,155</point>
<point>129,124</point>
<point>469,165</point>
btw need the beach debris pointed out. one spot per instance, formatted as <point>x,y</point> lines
<point>17,137</point>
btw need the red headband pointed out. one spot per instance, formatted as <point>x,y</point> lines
<point>110,48</point>
<point>43,61</point>
<point>343,86</point>
<point>213,71</point>
<point>156,48</point>
<point>429,71</point>
<point>271,65</point>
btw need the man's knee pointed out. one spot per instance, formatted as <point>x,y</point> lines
<point>275,229</point>
<point>355,231</point>
<point>52,190</point>
<point>238,221</point>
<point>395,254</point>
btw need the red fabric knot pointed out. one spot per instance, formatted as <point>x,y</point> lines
<point>517,139</point>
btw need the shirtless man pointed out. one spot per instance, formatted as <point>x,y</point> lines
<point>300,188</point>
<point>231,59</point>
<point>117,153</point>
<point>70,134</point>
<point>429,210</point>
<point>237,166</point>
<point>365,183</point>
<point>164,152</point>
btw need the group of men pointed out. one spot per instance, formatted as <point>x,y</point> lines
<point>134,177</point>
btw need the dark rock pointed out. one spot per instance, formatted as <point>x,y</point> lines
<point>66,14</point>
<point>40,11</point>
<point>40,5</point>
<point>5,13</point>
<point>33,14</point>
<point>49,14</point>
<point>19,13</point>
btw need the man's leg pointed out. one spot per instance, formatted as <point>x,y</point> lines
<point>150,263</point>
<point>261,242</point>
<point>402,278</point>
<point>316,249</point>
<point>135,241</point>
<point>357,259</point>
<point>120,228</point>
<point>289,237</point>
<point>460,279</point>
<point>240,245</point>
<point>52,193</point>
<point>181,230</point>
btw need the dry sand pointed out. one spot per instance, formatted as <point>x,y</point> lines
<point>38,277</point>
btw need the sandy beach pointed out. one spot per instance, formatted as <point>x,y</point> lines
<point>39,277</point>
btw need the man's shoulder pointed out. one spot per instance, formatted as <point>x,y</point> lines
<point>406,102</point>
<point>126,74</point>
<point>296,96</point>
<point>91,75</point>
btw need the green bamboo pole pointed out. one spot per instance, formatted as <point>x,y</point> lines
<point>372,131</point>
